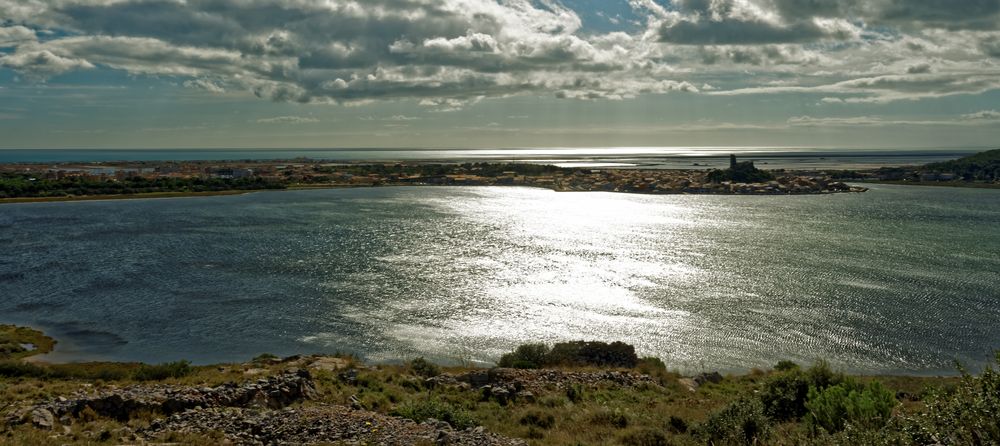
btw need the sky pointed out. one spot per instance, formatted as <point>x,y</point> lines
<point>499,73</point>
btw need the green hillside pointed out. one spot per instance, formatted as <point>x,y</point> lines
<point>983,166</point>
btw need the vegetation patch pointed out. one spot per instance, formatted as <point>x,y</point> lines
<point>575,353</point>
<point>21,342</point>
<point>433,408</point>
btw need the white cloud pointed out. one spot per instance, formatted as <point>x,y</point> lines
<point>988,115</point>
<point>287,120</point>
<point>448,54</point>
<point>15,35</point>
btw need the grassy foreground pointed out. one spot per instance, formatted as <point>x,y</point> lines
<point>783,406</point>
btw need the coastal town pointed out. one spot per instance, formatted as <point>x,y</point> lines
<point>110,178</point>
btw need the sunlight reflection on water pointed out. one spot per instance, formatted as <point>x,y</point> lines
<point>897,279</point>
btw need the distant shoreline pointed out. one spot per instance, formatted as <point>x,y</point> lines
<point>962,184</point>
<point>19,200</point>
<point>157,195</point>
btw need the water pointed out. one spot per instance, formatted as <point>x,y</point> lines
<point>626,157</point>
<point>896,280</point>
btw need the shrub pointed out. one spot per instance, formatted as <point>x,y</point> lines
<point>423,410</point>
<point>837,406</point>
<point>178,369</point>
<point>606,417</point>
<point>264,357</point>
<point>651,365</point>
<point>644,437</point>
<point>538,419</point>
<point>533,356</point>
<point>615,354</point>
<point>965,415</point>
<point>741,423</point>
<point>425,368</point>
<point>784,395</point>
<point>18,369</point>
<point>677,425</point>
<point>574,393</point>
<point>785,366</point>
<point>526,356</point>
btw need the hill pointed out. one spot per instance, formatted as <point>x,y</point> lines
<point>570,393</point>
<point>983,166</point>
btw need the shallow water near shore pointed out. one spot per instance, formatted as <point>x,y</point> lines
<point>897,280</point>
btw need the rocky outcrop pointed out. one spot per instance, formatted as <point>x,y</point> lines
<point>255,413</point>
<point>322,424</point>
<point>537,380</point>
<point>122,404</point>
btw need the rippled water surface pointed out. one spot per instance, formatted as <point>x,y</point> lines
<point>900,279</point>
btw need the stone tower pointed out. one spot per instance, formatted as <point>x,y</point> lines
<point>732,161</point>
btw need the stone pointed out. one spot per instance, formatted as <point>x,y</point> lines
<point>713,378</point>
<point>501,395</point>
<point>689,384</point>
<point>43,418</point>
<point>526,396</point>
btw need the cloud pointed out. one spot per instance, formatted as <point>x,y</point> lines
<point>974,119</point>
<point>15,35</point>
<point>952,14</point>
<point>41,64</point>
<point>401,118</point>
<point>991,46</point>
<point>287,120</point>
<point>450,54</point>
<point>746,32</point>
<point>888,88</point>
<point>989,115</point>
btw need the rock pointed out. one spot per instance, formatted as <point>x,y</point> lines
<point>329,364</point>
<point>526,396</point>
<point>713,378</point>
<point>688,383</point>
<point>273,392</point>
<point>43,418</point>
<point>501,395</point>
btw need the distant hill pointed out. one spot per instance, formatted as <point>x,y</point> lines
<point>983,166</point>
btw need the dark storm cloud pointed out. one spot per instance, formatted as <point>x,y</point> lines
<point>991,46</point>
<point>733,32</point>
<point>953,14</point>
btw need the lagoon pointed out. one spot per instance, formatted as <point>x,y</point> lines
<point>901,279</point>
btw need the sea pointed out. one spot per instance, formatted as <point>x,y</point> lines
<point>802,158</point>
<point>901,279</point>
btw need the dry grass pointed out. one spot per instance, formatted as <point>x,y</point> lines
<point>595,415</point>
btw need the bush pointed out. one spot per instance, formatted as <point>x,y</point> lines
<point>602,354</point>
<point>18,369</point>
<point>574,392</point>
<point>785,366</point>
<point>606,417</point>
<point>615,354</point>
<point>784,395</point>
<point>538,419</point>
<point>425,368</point>
<point>265,357</point>
<point>677,425</point>
<point>644,437</point>
<point>741,423</point>
<point>439,410</point>
<point>965,415</point>
<point>837,406</point>
<point>526,356</point>
<point>178,369</point>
